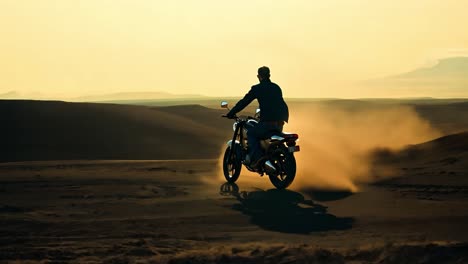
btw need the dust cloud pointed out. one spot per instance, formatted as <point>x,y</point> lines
<point>336,142</point>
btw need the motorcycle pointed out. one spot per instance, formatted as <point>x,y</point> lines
<point>277,160</point>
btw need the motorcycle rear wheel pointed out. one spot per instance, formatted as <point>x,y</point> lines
<point>285,164</point>
<point>232,164</point>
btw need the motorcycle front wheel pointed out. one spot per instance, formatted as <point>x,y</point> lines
<point>285,164</point>
<point>232,164</point>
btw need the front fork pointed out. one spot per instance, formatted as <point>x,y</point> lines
<point>236,132</point>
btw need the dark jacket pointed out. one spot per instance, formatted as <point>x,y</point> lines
<point>270,99</point>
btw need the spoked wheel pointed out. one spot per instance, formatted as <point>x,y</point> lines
<point>285,164</point>
<point>232,164</point>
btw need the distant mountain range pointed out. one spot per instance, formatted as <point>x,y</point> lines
<point>105,97</point>
<point>449,77</point>
<point>134,96</point>
<point>450,68</point>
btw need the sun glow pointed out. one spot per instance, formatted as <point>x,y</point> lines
<point>314,48</point>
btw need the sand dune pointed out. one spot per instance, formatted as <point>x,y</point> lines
<point>448,118</point>
<point>435,170</point>
<point>179,211</point>
<point>54,130</point>
<point>40,130</point>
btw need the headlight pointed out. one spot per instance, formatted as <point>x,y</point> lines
<point>234,126</point>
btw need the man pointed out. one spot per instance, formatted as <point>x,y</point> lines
<point>273,112</point>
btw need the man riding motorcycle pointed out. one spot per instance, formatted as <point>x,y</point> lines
<point>273,113</point>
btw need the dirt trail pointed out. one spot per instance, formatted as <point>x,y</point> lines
<point>164,211</point>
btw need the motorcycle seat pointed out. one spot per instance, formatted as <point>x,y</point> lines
<point>289,135</point>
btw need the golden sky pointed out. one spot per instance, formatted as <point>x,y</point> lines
<point>314,48</point>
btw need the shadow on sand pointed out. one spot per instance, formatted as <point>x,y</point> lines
<point>284,211</point>
<point>326,195</point>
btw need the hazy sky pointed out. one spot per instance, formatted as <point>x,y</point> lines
<point>212,47</point>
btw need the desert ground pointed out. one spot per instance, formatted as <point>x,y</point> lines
<point>94,183</point>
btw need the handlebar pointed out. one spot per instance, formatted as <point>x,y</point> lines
<point>239,118</point>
